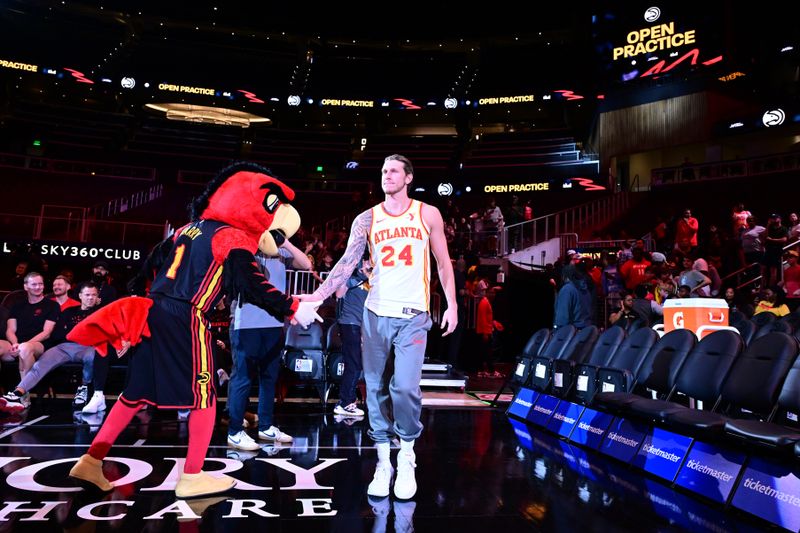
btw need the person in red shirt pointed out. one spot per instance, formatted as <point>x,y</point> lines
<point>484,327</point>
<point>687,228</point>
<point>61,287</point>
<point>633,272</point>
<point>791,280</point>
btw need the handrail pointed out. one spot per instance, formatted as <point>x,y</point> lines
<point>574,219</point>
<point>751,265</point>
<point>759,277</point>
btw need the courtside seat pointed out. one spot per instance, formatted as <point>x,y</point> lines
<point>763,318</point>
<point>522,370</point>
<point>768,433</point>
<point>629,356</point>
<point>334,359</point>
<point>753,385</point>
<point>542,364</point>
<point>774,325</point>
<point>658,372</point>
<point>581,345</point>
<point>701,376</point>
<point>537,341</point>
<point>736,316</point>
<point>558,342</point>
<point>603,350</point>
<point>747,329</point>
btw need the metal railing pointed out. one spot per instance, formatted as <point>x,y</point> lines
<point>78,229</point>
<point>578,219</point>
<point>758,278</point>
<point>738,168</point>
<point>81,168</point>
<point>125,203</point>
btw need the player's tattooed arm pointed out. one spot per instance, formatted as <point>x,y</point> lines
<point>359,233</point>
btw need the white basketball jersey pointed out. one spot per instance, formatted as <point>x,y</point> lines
<point>401,273</point>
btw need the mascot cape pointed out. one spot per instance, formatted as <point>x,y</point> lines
<point>242,210</point>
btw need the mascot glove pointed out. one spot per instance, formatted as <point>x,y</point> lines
<point>307,313</point>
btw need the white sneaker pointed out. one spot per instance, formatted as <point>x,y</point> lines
<point>96,404</point>
<point>379,486</point>
<point>348,410</point>
<point>405,486</point>
<point>274,434</point>
<point>243,441</point>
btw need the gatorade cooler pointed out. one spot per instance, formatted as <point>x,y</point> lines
<point>701,315</point>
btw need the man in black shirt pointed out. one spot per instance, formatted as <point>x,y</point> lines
<point>60,353</point>
<point>30,324</point>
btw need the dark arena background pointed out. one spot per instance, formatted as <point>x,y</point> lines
<point>579,153</point>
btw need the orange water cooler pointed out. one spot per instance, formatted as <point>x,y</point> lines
<point>701,315</point>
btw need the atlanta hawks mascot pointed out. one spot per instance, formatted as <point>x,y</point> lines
<point>242,209</point>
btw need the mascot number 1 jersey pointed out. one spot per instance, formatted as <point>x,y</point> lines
<point>399,249</point>
<point>190,273</point>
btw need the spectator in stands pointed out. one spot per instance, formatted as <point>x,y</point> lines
<point>714,266</point>
<point>791,280</point>
<point>612,280</point>
<point>660,233</point>
<point>693,277</point>
<point>30,324</point>
<point>794,228</point>
<point>645,307</point>
<point>256,344</point>
<point>528,211</point>
<point>776,238</point>
<point>772,301</point>
<point>740,216</point>
<point>353,296</point>
<point>684,291</point>
<point>61,352</point>
<point>492,224</point>
<point>633,271</point>
<point>574,300</point>
<point>100,277</point>
<point>686,228</point>
<point>18,280</point>
<point>61,287</point>
<point>624,316</point>
<point>665,286</point>
<point>326,264</point>
<point>626,253</point>
<point>735,304</point>
<point>484,328</point>
<point>753,242</point>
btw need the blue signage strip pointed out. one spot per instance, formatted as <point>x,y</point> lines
<point>542,409</point>
<point>522,403</point>
<point>771,490</point>
<point>564,418</point>
<point>623,439</point>
<point>711,471</point>
<point>522,433</point>
<point>591,427</point>
<point>662,453</point>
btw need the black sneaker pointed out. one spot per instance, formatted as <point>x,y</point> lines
<point>81,396</point>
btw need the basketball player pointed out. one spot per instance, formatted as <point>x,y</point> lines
<point>400,232</point>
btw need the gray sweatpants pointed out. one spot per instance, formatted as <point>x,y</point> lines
<point>394,398</point>
<point>66,352</point>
